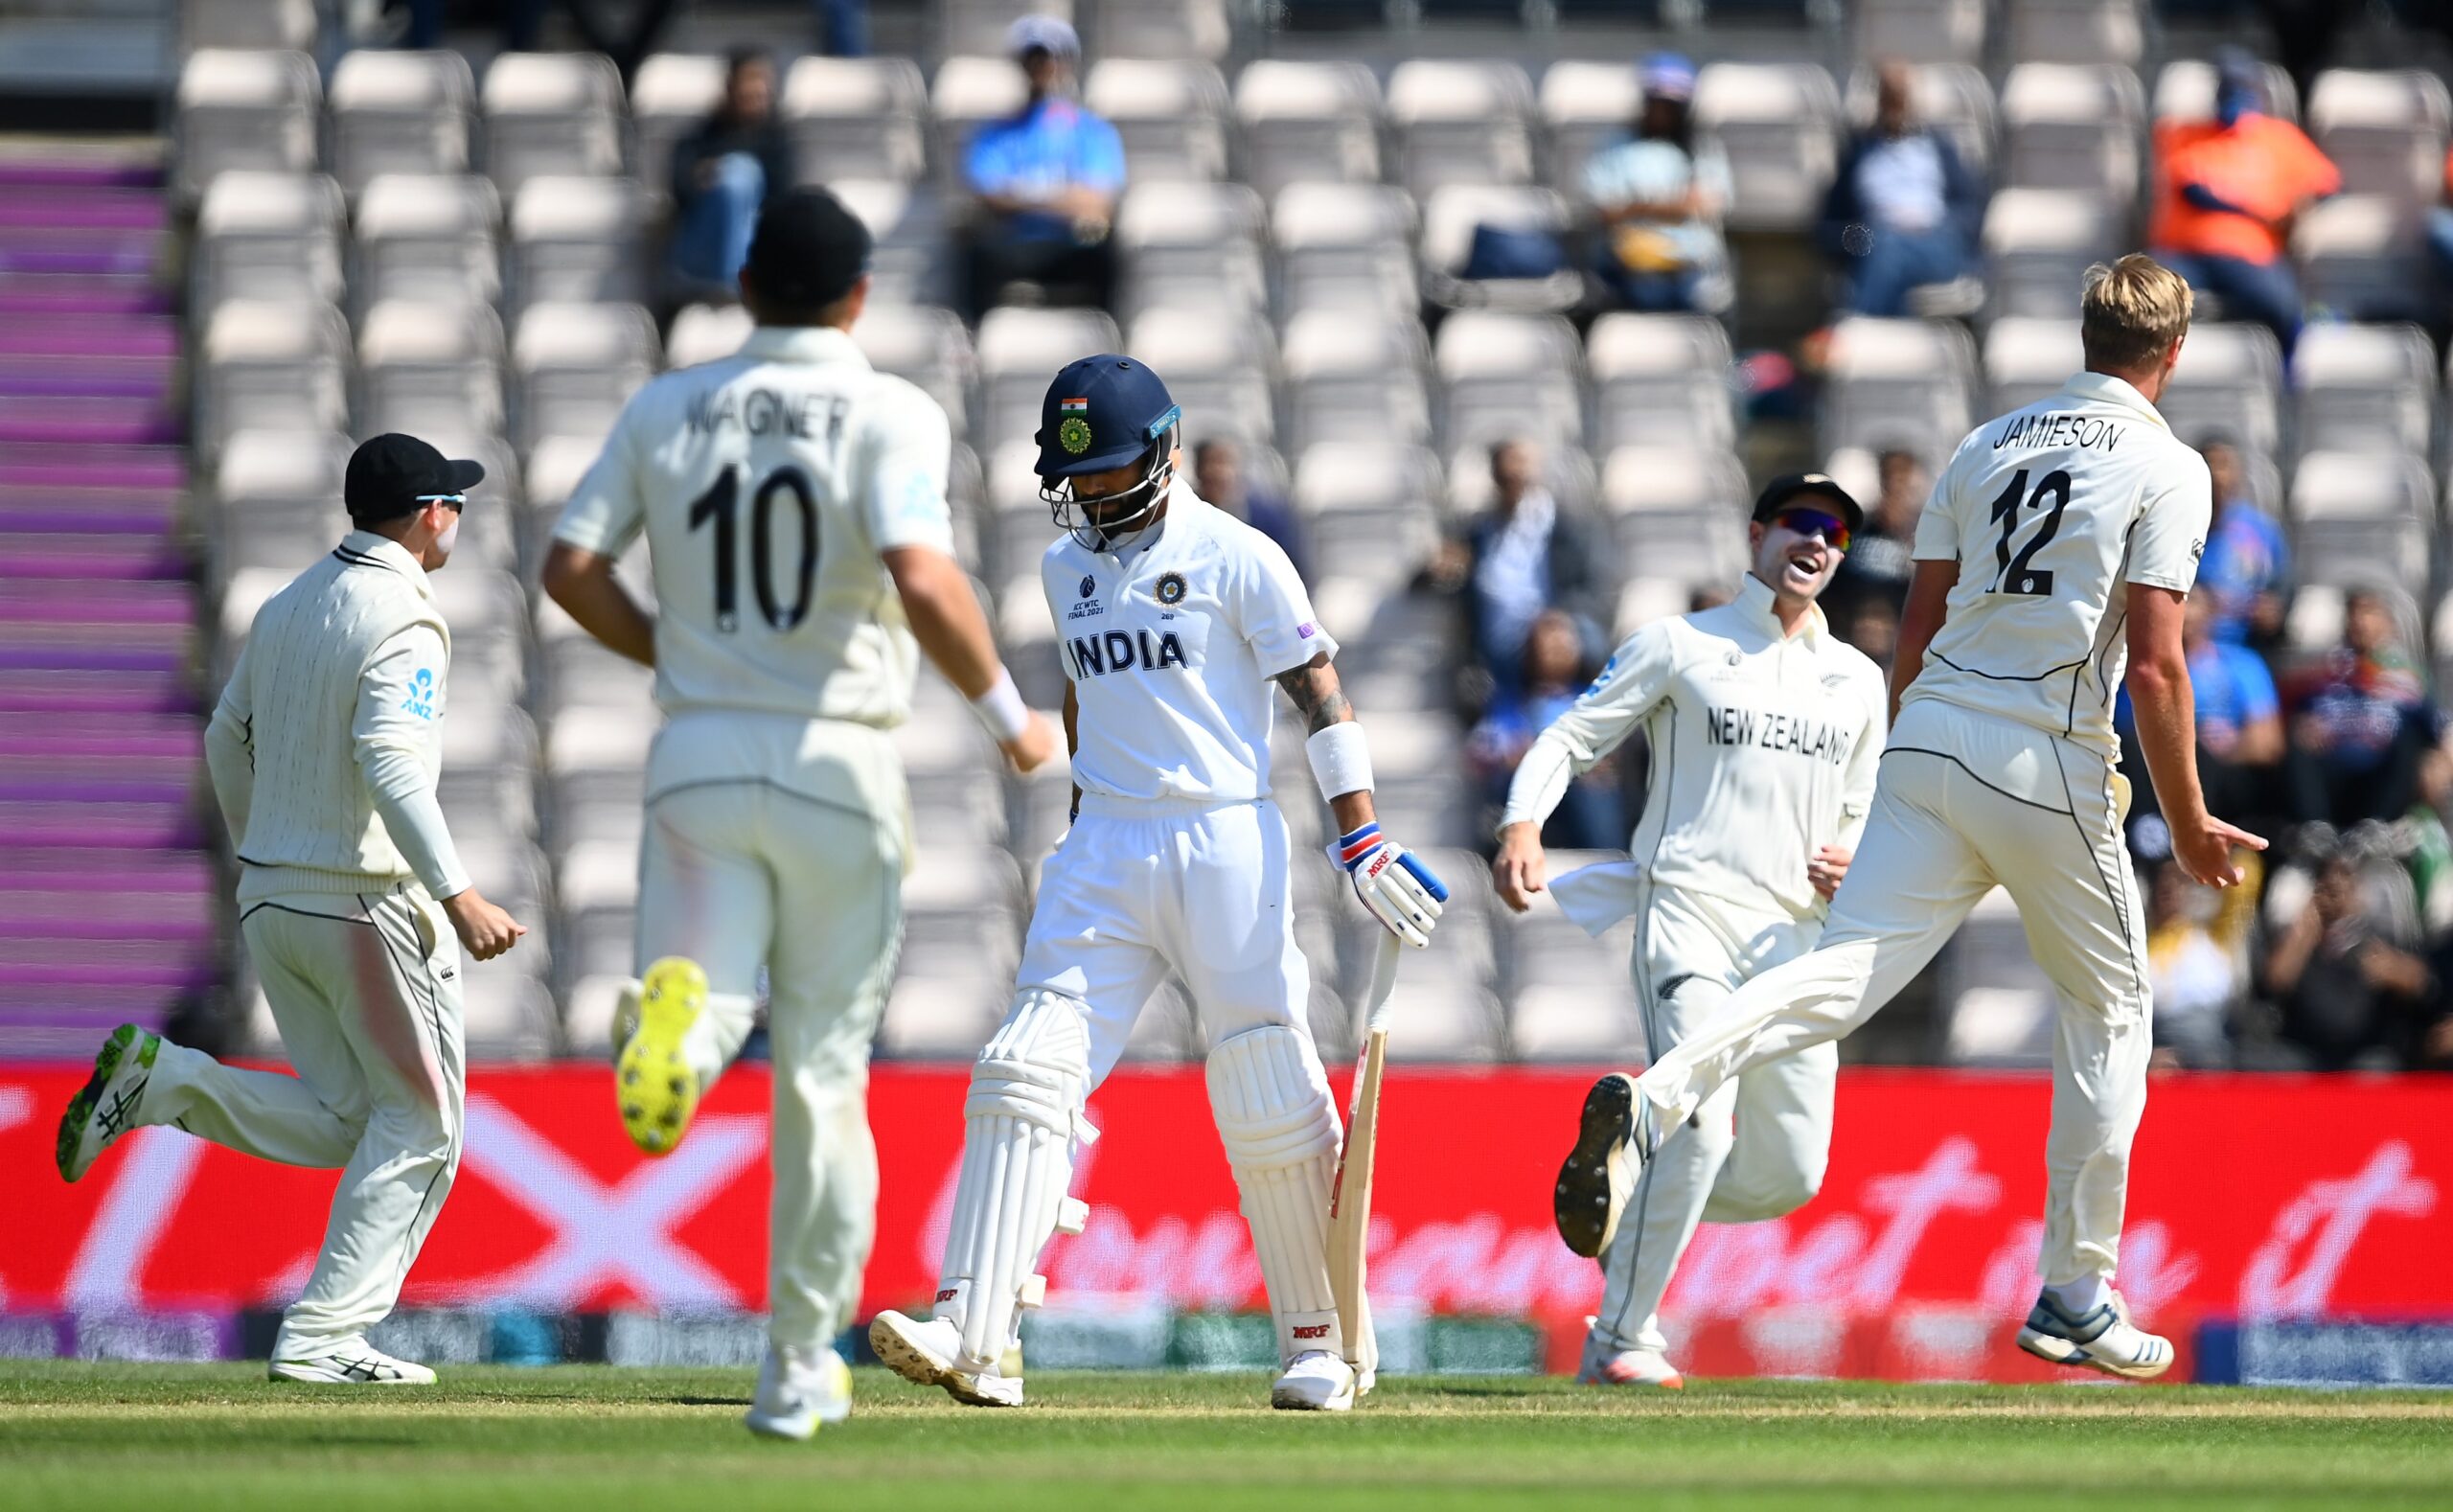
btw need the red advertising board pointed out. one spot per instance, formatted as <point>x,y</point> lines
<point>2251,1197</point>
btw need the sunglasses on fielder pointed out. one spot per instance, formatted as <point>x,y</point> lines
<point>457,501</point>
<point>1809,522</point>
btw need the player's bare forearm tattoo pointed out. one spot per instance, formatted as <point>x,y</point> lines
<point>1313,688</point>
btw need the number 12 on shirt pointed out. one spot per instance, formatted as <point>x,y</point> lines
<point>2014,574</point>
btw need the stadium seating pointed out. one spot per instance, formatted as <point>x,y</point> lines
<point>246,110</point>
<point>400,113</point>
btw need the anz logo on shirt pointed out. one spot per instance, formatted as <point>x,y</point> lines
<point>1117,651</point>
<point>420,699</point>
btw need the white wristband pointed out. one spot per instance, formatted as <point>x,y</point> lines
<point>1002,709</point>
<point>1341,759</point>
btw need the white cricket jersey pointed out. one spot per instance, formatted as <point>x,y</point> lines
<point>2051,511</point>
<point>1764,747</point>
<point>769,484</point>
<point>1171,645</point>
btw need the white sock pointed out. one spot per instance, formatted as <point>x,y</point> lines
<point>2081,1296</point>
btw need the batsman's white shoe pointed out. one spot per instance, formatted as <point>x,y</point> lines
<point>928,1351</point>
<point>2102,1340</point>
<point>352,1361</point>
<point>1606,1363</point>
<point>1600,1174</point>
<point>105,1107</point>
<point>798,1392</point>
<point>1316,1381</point>
<point>653,1082</point>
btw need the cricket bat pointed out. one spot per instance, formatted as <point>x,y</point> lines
<point>1350,1193</point>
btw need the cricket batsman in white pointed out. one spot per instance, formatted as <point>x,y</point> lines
<point>1765,731</point>
<point>794,501</point>
<point>323,752</point>
<point>2059,549</point>
<point>1173,618</point>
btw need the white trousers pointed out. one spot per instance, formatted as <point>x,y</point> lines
<point>1966,802</point>
<point>738,876</point>
<point>1756,1148</point>
<point>1133,890</point>
<point>366,991</point>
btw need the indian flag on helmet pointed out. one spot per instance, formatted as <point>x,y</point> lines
<point>1074,424</point>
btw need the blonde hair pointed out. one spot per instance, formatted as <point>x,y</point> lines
<point>2131,313</point>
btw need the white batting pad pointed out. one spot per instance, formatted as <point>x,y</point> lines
<point>1022,1118</point>
<point>1281,1134</point>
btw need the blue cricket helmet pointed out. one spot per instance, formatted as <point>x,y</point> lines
<point>1101,413</point>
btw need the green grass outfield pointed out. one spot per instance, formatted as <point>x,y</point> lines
<point>93,1436</point>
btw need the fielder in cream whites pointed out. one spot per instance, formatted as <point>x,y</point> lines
<point>323,752</point>
<point>2058,551</point>
<point>793,503</point>
<point>1173,618</point>
<point>1765,730</point>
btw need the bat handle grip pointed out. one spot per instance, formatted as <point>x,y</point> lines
<point>1384,984</point>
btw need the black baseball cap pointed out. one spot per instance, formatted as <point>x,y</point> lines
<point>1789,487</point>
<point>807,249</point>
<point>388,474</point>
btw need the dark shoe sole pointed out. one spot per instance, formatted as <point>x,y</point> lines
<point>1583,1204</point>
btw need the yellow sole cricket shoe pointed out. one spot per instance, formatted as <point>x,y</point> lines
<point>656,1088</point>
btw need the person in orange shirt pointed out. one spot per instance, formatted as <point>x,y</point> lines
<point>2226,194</point>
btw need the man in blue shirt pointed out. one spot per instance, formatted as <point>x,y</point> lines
<point>2247,566</point>
<point>1903,210</point>
<point>2240,719</point>
<point>1044,183</point>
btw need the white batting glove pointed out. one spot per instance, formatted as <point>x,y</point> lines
<point>1400,891</point>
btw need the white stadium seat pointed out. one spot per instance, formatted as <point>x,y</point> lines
<point>1586,106</point>
<point>1172,115</point>
<point>1019,350</point>
<point>705,334</point>
<point>1954,99</point>
<point>1460,123</point>
<point>2384,130</point>
<point>2026,357</point>
<point>1219,370</point>
<point>268,236</point>
<point>1352,377</point>
<point>1658,380</point>
<point>272,365</point>
<point>2365,388</point>
<point>1163,29</point>
<point>1780,124</point>
<point>2065,125</point>
<point>2077,31</point>
<point>1920,30</point>
<point>1509,376</point>
<point>576,365</point>
<point>2229,381</point>
<point>427,236</point>
<point>245,110</point>
<point>855,117</point>
<point>2361,257</point>
<point>1450,220</point>
<point>551,113</point>
<point>400,113</point>
<point>1191,246</point>
<point>2184,91</point>
<point>2038,245</point>
<point>1677,513</point>
<point>578,238</point>
<point>1344,247</point>
<point>1899,383</point>
<point>427,368</point>
<point>1307,123</point>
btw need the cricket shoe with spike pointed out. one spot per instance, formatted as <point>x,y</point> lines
<point>105,1107</point>
<point>352,1361</point>
<point>652,1081</point>
<point>2102,1338</point>
<point>1606,1362</point>
<point>927,1351</point>
<point>798,1392</point>
<point>1598,1175</point>
<point>1314,1381</point>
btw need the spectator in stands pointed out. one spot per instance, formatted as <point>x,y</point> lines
<point>2226,194</point>
<point>1589,817</point>
<point>1660,194</point>
<point>1878,564</point>
<point>1904,211</point>
<point>2240,744</point>
<point>2350,989</point>
<point>2359,723</point>
<point>2197,961</point>
<point>1046,182</point>
<point>1218,476</point>
<point>2247,566</point>
<point>723,174</point>
<point>1525,556</point>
